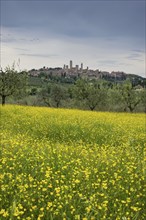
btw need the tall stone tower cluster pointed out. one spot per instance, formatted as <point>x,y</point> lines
<point>65,67</point>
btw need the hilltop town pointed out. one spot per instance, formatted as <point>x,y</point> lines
<point>74,72</point>
<point>70,71</point>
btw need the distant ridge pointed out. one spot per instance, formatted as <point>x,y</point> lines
<point>71,72</point>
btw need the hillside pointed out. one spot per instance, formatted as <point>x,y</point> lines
<point>71,74</point>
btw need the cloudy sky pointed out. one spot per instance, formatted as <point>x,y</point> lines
<point>106,35</point>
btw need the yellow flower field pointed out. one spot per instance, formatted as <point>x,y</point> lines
<point>59,164</point>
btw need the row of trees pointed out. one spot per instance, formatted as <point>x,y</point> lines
<point>97,94</point>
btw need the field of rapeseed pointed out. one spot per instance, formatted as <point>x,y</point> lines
<point>59,164</point>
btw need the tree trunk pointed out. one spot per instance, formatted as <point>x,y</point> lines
<point>131,108</point>
<point>3,99</point>
<point>92,107</point>
<point>57,104</point>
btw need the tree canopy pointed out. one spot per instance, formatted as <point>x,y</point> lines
<point>92,93</point>
<point>12,83</point>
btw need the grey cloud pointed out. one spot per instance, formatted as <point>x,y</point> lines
<point>113,63</point>
<point>107,62</point>
<point>138,51</point>
<point>135,56</point>
<point>38,55</point>
<point>125,64</point>
<point>9,38</point>
<point>21,49</point>
<point>96,18</point>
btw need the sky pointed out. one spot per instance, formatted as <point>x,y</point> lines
<point>108,35</point>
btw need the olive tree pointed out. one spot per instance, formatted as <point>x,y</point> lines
<point>12,83</point>
<point>52,95</point>
<point>92,93</point>
<point>57,94</point>
<point>130,96</point>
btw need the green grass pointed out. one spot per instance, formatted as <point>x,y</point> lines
<point>71,164</point>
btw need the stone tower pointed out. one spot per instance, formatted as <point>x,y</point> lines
<point>70,64</point>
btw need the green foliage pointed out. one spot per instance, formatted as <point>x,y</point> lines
<point>12,83</point>
<point>55,91</point>
<point>130,96</point>
<point>53,94</point>
<point>35,82</point>
<point>44,95</point>
<point>93,93</point>
<point>33,91</point>
<point>57,94</point>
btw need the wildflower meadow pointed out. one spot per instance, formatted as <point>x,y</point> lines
<point>61,164</point>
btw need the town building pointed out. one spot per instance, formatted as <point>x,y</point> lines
<point>70,71</point>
